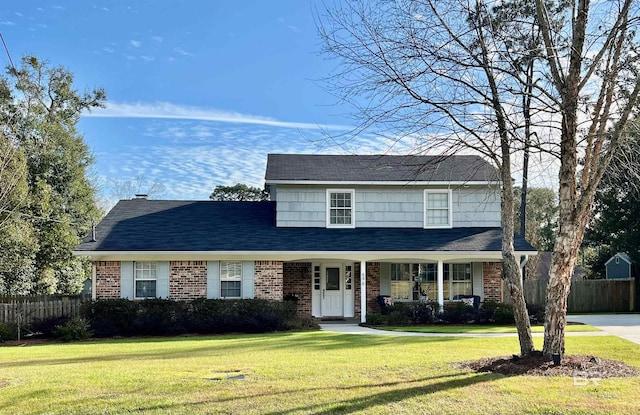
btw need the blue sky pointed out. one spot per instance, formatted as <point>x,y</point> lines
<point>198,91</point>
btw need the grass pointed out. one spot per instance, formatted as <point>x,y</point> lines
<point>449,329</point>
<point>299,373</point>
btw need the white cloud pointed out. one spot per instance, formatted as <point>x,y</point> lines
<point>157,38</point>
<point>166,110</point>
<point>19,14</point>
<point>108,50</point>
<point>135,43</point>
<point>182,52</point>
<point>7,23</point>
<point>147,58</point>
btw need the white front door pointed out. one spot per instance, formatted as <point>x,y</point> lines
<point>332,288</point>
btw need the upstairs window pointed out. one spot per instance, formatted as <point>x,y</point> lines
<point>340,208</point>
<point>231,279</point>
<point>437,209</point>
<point>145,278</point>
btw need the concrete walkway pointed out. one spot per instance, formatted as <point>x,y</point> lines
<point>626,326</point>
<point>352,328</point>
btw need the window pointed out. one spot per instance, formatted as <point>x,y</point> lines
<point>231,279</point>
<point>437,208</point>
<point>460,280</point>
<point>340,210</point>
<point>420,281</point>
<point>145,279</point>
<point>401,281</point>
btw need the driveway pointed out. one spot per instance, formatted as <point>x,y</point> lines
<point>626,326</point>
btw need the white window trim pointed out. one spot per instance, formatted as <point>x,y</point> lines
<point>136,279</point>
<point>353,208</point>
<point>448,282</point>
<point>237,278</point>
<point>450,200</point>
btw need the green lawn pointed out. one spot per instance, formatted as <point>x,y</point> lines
<point>481,329</point>
<point>299,373</point>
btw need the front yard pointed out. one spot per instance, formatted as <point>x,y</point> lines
<point>300,373</point>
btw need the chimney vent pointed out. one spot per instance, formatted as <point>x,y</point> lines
<point>142,196</point>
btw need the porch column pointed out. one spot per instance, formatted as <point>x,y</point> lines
<point>363,291</point>
<point>440,285</point>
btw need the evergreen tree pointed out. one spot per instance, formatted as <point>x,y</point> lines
<point>41,110</point>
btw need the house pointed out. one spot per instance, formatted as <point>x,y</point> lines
<point>339,232</point>
<point>619,266</point>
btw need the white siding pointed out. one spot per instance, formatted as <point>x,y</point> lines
<point>387,206</point>
<point>476,278</point>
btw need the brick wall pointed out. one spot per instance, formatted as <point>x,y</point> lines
<point>107,279</point>
<point>297,281</point>
<point>268,280</point>
<point>373,287</point>
<point>492,280</point>
<point>187,280</point>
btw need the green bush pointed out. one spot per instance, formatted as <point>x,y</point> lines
<point>113,317</point>
<point>158,317</point>
<point>8,332</point>
<point>45,327</point>
<point>376,319</point>
<point>74,329</point>
<point>503,314</point>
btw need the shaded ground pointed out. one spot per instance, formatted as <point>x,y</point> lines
<point>583,366</point>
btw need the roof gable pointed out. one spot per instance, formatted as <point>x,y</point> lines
<point>626,258</point>
<point>379,168</point>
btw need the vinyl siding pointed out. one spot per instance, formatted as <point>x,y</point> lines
<point>386,207</point>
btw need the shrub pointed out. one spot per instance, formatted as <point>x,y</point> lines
<point>46,327</point>
<point>503,314</point>
<point>113,317</point>
<point>458,313</point>
<point>158,317</point>
<point>376,319</point>
<point>8,332</point>
<point>74,329</point>
<point>423,313</point>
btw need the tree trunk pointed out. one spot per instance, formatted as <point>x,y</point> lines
<point>510,265</point>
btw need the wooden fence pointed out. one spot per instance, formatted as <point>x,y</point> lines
<point>587,295</point>
<point>24,310</point>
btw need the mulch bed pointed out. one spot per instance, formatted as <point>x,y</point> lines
<point>537,365</point>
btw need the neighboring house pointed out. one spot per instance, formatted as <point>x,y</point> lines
<point>619,266</point>
<point>409,227</point>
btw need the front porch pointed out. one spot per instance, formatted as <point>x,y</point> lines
<point>333,289</point>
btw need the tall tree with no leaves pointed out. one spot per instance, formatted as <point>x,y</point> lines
<point>592,72</point>
<point>444,74</point>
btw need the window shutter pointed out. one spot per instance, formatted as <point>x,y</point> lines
<point>213,279</point>
<point>385,278</point>
<point>126,279</point>
<point>162,279</point>
<point>248,269</point>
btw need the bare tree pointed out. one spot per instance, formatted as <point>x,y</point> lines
<point>444,74</point>
<point>593,73</point>
<point>140,184</point>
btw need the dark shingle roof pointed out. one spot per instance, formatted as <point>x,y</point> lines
<point>358,168</point>
<point>168,225</point>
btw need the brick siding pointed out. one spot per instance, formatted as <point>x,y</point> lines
<point>187,280</point>
<point>268,280</point>
<point>107,279</point>
<point>297,281</point>
<point>492,280</point>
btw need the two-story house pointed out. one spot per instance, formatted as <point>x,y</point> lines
<point>338,232</point>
